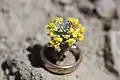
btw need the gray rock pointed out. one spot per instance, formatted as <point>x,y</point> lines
<point>85,4</point>
<point>71,10</point>
<point>115,24</point>
<point>118,7</point>
<point>105,8</point>
<point>65,1</point>
<point>115,48</point>
<point>1,4</point>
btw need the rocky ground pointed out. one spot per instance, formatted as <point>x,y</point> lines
<point>22,37</point>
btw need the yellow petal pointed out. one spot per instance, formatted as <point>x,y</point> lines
<point>74,34</point>
<point>58,20</point>
<point>66,36</point>
<point>71,41</point>
<point>70,44</point>
<point>81,38</point>
<point>56,46</point>
<point>76,22</point>
<point>59,40</point>
<point>52,42</point>
<point>52,34</point>
<point>72,30</point>
<point>82,30</point>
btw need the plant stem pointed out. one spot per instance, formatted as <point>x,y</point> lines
<point>61,53</point>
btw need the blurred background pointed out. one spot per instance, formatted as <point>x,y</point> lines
<point>22,32</point>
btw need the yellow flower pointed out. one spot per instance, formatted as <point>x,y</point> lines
<point>55,41</point>
<point>52,34</point>
<point>80,37</point>
<point>66,36</point>
<point>56,46</point>
<point>59,40</point>
<point>75,31</point>
<point>80,25</point>
<point>71,41</point>
<point>82,30</point>
<point>74,34</point>
<point>51,42</point>
<point>58,20</point>
<point>72,30</point>
<point>74,21</point>
<point>51,26</point>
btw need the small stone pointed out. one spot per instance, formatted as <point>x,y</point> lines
<point>14,69</point>
<point>105,8</point>
<point>11,77</point>
<point>100,53</point>
<point>7,71</point>
<point>65,1</point>
<point>85,4</point>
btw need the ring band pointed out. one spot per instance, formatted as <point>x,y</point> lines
<point>62,69</point>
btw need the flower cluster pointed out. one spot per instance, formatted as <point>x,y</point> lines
<point>65,31</point>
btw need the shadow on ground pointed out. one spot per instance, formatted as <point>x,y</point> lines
<point>8,67</point>
<point>34,56</point>
<point>108,57</point>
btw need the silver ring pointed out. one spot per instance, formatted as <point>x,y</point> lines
<point>62,69</point>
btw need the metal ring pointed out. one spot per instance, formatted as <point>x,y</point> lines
<point>62,69</point>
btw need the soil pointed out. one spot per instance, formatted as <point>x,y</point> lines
<point>69,59</point>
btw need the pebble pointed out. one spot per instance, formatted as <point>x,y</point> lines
<point>85,4</point>
<point>65,1</point>
<point>103,10</point>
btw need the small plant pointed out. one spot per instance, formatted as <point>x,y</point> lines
<point>64,33</point>
<point>61,49</point>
